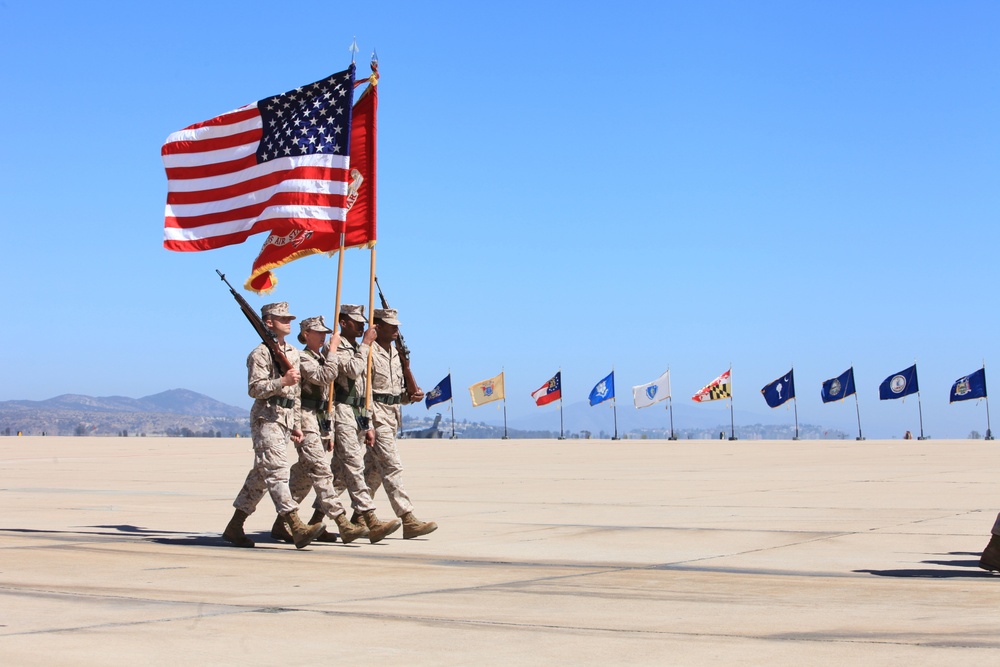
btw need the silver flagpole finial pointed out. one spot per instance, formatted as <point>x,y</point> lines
<point>354,49</point>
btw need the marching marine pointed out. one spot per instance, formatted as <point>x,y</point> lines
<point>382,463</point>
<point>318,371</point>
<point>351,423</point>
<point>274,422</point>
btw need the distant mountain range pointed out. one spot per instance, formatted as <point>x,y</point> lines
<point>174,412</point>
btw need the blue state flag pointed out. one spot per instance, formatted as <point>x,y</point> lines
<point>969,387</point>
<point>779,391</point>
<point>840,387</point>
<point>604,390</point>
<point>440,393</point>
<point>899,384</point>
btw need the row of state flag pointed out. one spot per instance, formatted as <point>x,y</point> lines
<point>776,393</point>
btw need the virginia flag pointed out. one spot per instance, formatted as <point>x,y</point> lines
<point>550,391</point>
<point>779,391</point>
<point>603,390</point>
<point>440,393</point>
<point>838,388</point>
<point>287,243</point>
<point>899,384</point>
<point>720,387</point>
<point>487,391</point>
<point>646,395</point>
<point>969,387</point>
<point>280,161</point>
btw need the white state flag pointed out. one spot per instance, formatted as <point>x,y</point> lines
<point>654,392</point>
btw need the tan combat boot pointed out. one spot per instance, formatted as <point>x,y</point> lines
<point>350,531</point>
<point>326,536</point>
<point>279,532</point>
<point>302,534</point>
<point>414,527</point>
<point>378,529</point>
<point>990,560</point>
<point>234,531</point>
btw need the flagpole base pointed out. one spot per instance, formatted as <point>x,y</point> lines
<point>733,437</point>
<point>859,438</point>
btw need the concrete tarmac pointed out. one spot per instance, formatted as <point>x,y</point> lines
<point>632,552</point>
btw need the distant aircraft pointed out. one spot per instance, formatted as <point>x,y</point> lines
<point>433,431</point>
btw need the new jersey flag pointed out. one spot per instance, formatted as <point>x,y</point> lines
<point>899,384</point>
<point>779,391</point>
<point>550,391</point>
<point>969,387</point>
<point>838,388</point>
<point>646,395</point>
<point>487,391</point>
<point>440,393</point>
<point>720,387</point>
<point>603,390</point>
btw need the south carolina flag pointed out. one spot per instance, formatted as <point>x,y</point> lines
<point>487,391</point>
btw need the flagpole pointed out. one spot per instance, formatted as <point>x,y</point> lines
<point>614,409</point>
<point>371,323</point>
<point>795,404</point>
<point>336,305</point>
<point>989,433</point>
<point>670,409</point>
<point>452,403</point>
<point>505,437</point>
<point>920,411</point>
<point>857,406</point>
<point>562,432</point>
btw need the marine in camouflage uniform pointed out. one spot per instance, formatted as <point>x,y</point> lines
<point>274,422</point>
<point>382,463</point>
<point>312,470</point>
<point>351,427</point>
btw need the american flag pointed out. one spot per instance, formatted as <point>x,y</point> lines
<point>281,161</point>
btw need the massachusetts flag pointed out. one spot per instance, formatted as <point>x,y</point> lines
<point>603,390</point>
<point>838,388</point>
<point>550,391</point>
<point>280,161</point>
<point>440,393</point>
<point>720,387</point>
<point>899,384</point>
<point>779,391</point>
<point>969,387</point>
<point>286,244</point>
<point>487,390</point>
<point>646,395</point>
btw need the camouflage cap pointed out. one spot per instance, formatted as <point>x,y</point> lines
<point>279,309</point>
<point>356,313</point>
<point>314,324</point>
<point>387,315</point>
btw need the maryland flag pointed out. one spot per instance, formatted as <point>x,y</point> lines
<point>287,243</point>
<point>720,387</point>
<point>487,391</point>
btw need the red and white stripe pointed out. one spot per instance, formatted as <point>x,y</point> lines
<point>218,195</point>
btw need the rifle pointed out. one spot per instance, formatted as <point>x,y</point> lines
<point>266,335</point>
<point>404,352</point>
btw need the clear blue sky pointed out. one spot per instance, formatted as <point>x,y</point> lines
<point>576,186</point>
